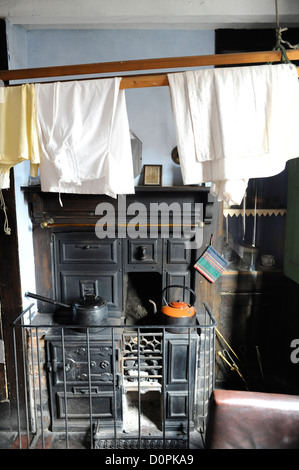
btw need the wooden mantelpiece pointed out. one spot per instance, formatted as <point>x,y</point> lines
<point>79,209</point>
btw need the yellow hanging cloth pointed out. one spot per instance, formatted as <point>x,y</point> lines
<point>18,130</point>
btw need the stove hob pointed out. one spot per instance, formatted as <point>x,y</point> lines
<point>63,317</point>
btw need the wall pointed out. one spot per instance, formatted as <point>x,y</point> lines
<point>149,109</point>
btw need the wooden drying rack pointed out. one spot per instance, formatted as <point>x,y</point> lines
<point>144,79</point>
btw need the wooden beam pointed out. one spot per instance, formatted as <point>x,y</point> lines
<point>142,80</point>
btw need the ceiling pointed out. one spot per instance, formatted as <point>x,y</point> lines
<point>154,14</point>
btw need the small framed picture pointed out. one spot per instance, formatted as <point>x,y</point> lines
<point>152,175</point>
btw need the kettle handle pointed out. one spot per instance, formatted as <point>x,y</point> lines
<point>181,287</point>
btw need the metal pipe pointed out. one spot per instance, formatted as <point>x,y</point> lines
<point>40,388</point>
<point>89,386</point>
<point>114,386</point>
<point>189,375</point>
<point>139,397</point>
<point>164,388</point>
<point>65,391</point>
<point>33,380</point>
<point>17,389</point>
<point>25,384</point>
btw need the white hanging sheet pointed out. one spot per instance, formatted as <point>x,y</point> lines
<point>235,123</point>
<point>85,138</point>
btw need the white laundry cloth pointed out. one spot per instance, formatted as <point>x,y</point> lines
<point>85,138</point>
<point>235,123</point>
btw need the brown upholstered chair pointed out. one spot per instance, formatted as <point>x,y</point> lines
<point>252,420</point>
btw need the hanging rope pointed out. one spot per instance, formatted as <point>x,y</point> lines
<point>7,230</point>
<point>279,40</point>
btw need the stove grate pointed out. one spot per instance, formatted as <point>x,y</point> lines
<point>144,443</point>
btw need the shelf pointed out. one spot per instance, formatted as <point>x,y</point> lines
<point>258,212</point>
<point>186,188</point>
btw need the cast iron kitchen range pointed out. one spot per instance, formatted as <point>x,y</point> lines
<point>104,347</point>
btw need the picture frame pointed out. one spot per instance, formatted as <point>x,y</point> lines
<point>152,175</point>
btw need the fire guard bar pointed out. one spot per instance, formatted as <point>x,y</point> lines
<point>114,387</point>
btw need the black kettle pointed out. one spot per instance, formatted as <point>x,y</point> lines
<point>88,311</point>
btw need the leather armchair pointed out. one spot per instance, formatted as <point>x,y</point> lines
<point>252,420</point>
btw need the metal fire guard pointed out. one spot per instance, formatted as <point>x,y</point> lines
<point>132,363</point>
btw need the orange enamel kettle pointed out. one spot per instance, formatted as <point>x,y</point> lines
<point>178,313</point>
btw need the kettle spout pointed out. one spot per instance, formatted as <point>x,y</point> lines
<point>154,305</point>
